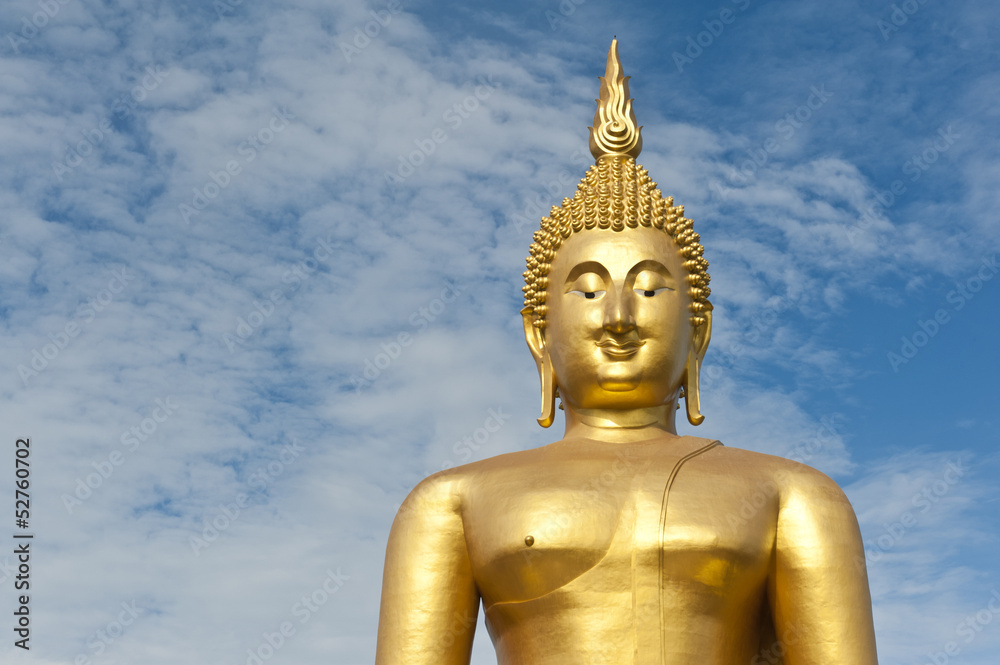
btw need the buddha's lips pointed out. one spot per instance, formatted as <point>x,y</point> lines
<point>619,349</point>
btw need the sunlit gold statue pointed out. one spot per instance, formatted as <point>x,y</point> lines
<point>624,543</point>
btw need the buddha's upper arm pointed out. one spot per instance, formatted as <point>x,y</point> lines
<point>819,586</point>
<point>429,598</point>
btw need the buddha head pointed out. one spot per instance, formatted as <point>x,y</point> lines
<point>616,311</point>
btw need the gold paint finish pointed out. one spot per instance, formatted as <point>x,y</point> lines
<point>645,547</point>
<point>614,132</point>
<point>616,193</point>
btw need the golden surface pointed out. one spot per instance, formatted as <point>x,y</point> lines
<point>616,193</point>
<point>624,543</point>
<point>615,131</point>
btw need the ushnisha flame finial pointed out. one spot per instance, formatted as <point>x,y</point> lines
<point>615,131</point>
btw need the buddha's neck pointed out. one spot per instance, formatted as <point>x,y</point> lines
<point>621,426</point>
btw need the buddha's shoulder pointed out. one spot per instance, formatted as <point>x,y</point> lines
<point>450,487</point>
<point>447,488</point>
<point>458,479</point>
<point>787,475</point>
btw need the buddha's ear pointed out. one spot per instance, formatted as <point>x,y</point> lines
<point>701,336</point>
<point>546,376</point>
<point>533,335</point>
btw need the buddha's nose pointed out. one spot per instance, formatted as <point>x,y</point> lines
<point>618,314</point>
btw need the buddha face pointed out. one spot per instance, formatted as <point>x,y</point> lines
<point>618,329</point>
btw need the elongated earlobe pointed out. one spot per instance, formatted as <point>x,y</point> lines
<point>692,371</point>
<point>692,393</point>
<point>547,376</point>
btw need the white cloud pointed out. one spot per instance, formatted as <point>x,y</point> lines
<point>782,263</point>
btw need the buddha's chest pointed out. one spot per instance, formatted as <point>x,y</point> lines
<point>619,525</point>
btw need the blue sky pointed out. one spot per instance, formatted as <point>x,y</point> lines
<point>262,270</point>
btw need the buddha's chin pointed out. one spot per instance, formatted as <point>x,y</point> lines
<point>618,379</point>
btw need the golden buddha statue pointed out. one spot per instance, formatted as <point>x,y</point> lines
<point>624,542</point>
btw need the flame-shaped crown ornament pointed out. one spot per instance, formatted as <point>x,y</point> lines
<point>615,131</point>
<point>617,194</point>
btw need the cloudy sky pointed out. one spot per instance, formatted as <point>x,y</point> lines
<point>261,274</point>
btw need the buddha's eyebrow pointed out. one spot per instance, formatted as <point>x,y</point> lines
<point>649,264</point>
<point>585,267</point>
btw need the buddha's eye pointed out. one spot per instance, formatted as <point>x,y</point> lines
<point>589,295</point>
<point>648,283</point>
<point>649,293</point>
